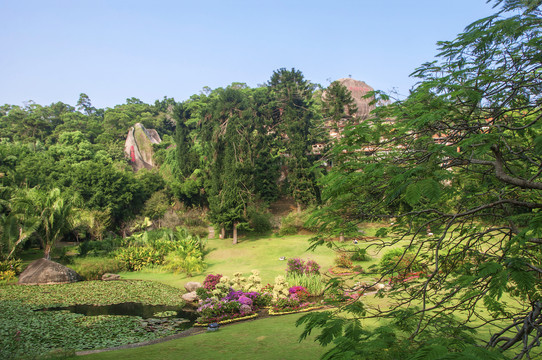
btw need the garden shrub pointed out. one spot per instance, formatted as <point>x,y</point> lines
<point>92,268</point>
<point>7,275</point>
<point>203,293</point>
<point>211,280</point>
<point>399,262</point>
<point>181,261</point>
<point>259,221</point>
<point>312,268</point>
<point>223,287</point>
<point>312,282</point>
<point>295,266</point>
<point>299,292</point>
<point>343,260</point>
<point>360,255</point>
<point>287,304</point>
<point>14,265</point>
<point>299,267</point>
<point>136,258</point>
<point>104,247</point>
<point>295,222</point>
<point>213,310</point>
<point>280,289</point>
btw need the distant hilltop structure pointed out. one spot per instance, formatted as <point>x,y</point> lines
<point>359,89</point>
<point>138,146</point>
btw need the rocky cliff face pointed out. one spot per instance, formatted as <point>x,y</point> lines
<point>138,146</point>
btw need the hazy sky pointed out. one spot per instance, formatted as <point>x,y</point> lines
<point>53,50</point>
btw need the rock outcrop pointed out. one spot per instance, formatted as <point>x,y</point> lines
<point>359,89</point>
<point>43,271</point>
<point>138,146</point>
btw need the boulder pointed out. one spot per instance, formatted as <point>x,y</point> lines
<point>43,271</point>
<point>190,297</point>
<point>110,277</point>
<point>192,286</point>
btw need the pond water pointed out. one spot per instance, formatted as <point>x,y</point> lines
<point>175,317</point>
<point>132,309</point>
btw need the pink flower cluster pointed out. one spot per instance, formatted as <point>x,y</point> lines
<point>299,267</point>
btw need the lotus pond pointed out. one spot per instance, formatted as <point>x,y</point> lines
<point>27,332</point>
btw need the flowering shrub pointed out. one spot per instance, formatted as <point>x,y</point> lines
<point>211,280</point>
<point>223,287</point>
<point>236,304</point>
<point>297,266</point>
<point>343,260</point>
<point>312,268</point>
<point>280,290</point>
<point>245,309</point>
<point>203,293</point>
<point>244,300</point>
<point>259,300</point>
<point>299,292</point>
<point>212,309</point>
<point>290,304</point>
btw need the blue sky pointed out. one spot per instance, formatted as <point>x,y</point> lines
<point>53,50</point>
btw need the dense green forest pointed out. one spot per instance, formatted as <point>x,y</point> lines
<point>222,152</point>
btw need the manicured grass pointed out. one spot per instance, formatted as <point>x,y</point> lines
<point>271,338</point>
<point>250,253</point>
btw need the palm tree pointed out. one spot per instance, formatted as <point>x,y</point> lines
<point>50,214</point>
<point>13,233</point>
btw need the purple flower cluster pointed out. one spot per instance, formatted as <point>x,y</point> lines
<point>298,266</point>
<point>230,306</point>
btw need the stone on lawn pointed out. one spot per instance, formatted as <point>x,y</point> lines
<point>110,277</point>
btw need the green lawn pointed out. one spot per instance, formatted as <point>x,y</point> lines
<point>261,254</point>
<point>271,338</point>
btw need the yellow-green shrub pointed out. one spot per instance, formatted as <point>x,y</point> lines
<point>136,258</point>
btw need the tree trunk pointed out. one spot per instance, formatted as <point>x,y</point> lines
<point>222,233</point>
<point>234,233</point>
<point>298,207</point>
<point>47,252</point>
<point>341,237</point>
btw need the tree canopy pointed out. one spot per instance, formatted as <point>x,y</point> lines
<point>456,166</point>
